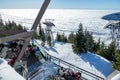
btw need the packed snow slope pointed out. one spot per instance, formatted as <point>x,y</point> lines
<point>88,61</point>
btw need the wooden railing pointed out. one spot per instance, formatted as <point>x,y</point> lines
<point>85,74</point>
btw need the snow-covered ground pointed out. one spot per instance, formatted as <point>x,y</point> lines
<point>90,62</point>
<point>7,72</point>
<point>67,20</point>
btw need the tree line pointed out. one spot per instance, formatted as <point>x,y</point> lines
<point>10,25</point>
<point>82,42</point>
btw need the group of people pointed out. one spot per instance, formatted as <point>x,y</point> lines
<point>68,74</point>
<point>34,50</point>
<point>11,50</point>
<point>14,50</point>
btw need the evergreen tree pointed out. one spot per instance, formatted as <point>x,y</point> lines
<point>107,53</point>
<point>89,44</point>
<point>111,52</point>
<point>71,38</point>
<point>116,63</point>
<point>79,43</point>
<point>12,26</point>
<point>58,37</point>
<point>63,38</point>
<point>96,45</point>
<point>20,27</point>
<point>102,50</point>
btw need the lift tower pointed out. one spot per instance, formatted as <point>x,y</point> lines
<point>48,30</point>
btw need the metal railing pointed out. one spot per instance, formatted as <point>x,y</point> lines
<point>85,74</point>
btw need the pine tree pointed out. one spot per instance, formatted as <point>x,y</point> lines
<point>79,43</point>
<point>116,63</point>
<point>71,38</point>
<point>63,38</point>
<point>89,42</point>
<point>20,27</point>
<point>111,52</point>
<point>58,37</point>
<point>102,50</point>
<point>96,45</point>
<point>12,26</point>
<point>107,53</point>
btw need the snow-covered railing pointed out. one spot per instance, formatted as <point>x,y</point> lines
<point>60,62</point>
<point>85,74</point>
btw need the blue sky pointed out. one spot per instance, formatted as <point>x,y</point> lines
<point>82,4</point>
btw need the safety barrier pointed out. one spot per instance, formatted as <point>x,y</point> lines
<point>85,74</point>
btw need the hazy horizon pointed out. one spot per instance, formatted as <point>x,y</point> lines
<point>60,4</point>
<point>66,8</point>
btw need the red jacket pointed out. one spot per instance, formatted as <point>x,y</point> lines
<point>76,76</point>
<point>11,61</point>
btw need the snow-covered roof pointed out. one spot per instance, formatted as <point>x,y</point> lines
<point>7,72</point>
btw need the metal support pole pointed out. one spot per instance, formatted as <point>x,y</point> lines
<point>23,48</point>
<point>34,27</point>
<point>40,14</point>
